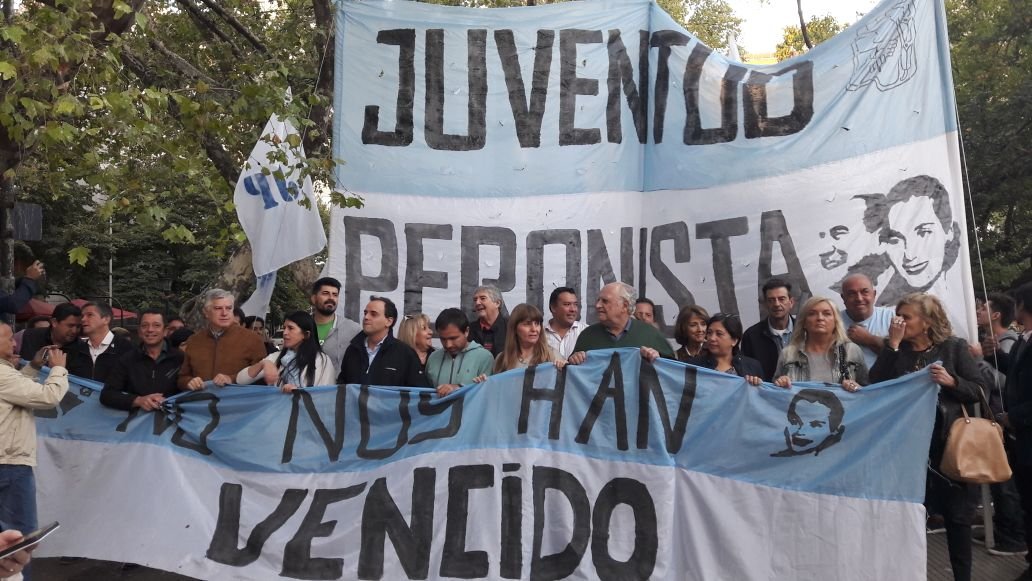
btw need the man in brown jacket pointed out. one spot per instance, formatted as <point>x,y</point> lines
<point>220,350</point>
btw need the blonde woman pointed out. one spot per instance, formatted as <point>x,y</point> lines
<point>525,344</point>
<point>820,351</point>
<point>920,336</point>
<point>416,332</point>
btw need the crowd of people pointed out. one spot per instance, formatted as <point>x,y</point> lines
<point>846,347</point>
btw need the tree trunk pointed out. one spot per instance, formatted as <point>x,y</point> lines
<point>236,276</point>
<point>802,25</point>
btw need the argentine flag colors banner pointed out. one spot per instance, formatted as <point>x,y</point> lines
<point>581,143</point>
<point>613,469</point>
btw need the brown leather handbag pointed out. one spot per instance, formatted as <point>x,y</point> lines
<point>974,450</point>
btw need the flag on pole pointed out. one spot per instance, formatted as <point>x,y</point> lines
<point>270,202</point>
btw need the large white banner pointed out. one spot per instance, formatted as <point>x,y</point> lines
<point>613,469</point>
<point>581,143</point>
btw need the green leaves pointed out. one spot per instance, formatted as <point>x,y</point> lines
<point>79,255</point>
<point>12,33</point>
<point>7,71</point>
<point>121,9</point>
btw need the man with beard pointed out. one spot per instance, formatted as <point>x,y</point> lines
<point>765,340</point>
<point>335,333</point>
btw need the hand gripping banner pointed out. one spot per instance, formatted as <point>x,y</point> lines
<point>614,469</point>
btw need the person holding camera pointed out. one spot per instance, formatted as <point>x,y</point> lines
<point>20,395</point>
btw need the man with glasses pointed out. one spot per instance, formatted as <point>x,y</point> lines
<point>765,340</point>
<point>866,324</point>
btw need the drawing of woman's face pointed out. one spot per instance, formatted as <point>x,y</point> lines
<point>915,241</point>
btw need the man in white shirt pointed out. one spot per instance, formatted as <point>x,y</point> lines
<point>564,326</point>
<point>866,325</point>
<point>96,355</point>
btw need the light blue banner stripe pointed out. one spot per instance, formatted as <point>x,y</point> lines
<point>733,430</point>
<point>883,82</point>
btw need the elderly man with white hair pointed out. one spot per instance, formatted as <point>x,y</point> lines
<point>489,328</point>
<point>217,352</point>
<point>617,328</point>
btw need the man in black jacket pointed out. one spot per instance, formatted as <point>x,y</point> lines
<point>765,340</point>
<point>375,357</point>
<point>146,375</point>
<point>62,332</point>
<point>1018,417</point>
<point>96,354</point>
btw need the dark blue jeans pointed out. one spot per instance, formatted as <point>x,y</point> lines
<point>18,501</point>
<point>17,498</point>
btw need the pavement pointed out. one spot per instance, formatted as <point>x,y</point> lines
<point>986,567</point>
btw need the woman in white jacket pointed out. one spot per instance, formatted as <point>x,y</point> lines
<point>301,362</point>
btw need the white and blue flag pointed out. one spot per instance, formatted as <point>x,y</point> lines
<point>277,208</point>
<point>613,469</point>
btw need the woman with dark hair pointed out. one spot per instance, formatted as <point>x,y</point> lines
<point>690,332</point>
<point>301,363</point>
<point>918,234</point>
<point>525,343</point>
<point>920,334</point>
<point>723,337</point>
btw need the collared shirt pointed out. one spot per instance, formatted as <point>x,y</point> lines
<point>563,345</point>
<point>783,336</point>
<point>104,344</point>
<point>626,328</point>
<point>372,352</point>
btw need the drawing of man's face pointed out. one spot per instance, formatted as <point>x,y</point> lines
<point>915,241</point>
<point>814,423</point>
<point>835,256</point>
<point>847,238</point>
<point>811,426</point>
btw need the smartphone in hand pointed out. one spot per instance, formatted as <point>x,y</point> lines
<point>30,540</point>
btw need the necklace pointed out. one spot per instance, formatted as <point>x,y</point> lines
<point>923,356</point>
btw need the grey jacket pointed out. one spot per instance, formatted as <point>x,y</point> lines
<point>794,363</point>
<point>336,343</point>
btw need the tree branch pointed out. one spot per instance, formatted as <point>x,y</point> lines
<point>322,114</point>
<point>179,63</point>
<point>217,154</point>
<point>802,25</point>
<point>237,25</point>
<point>200,17</point>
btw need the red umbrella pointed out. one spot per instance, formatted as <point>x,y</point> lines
<point>115,312</point>
<point>35,308</point>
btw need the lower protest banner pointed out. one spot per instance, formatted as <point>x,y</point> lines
<point>614,469</point>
